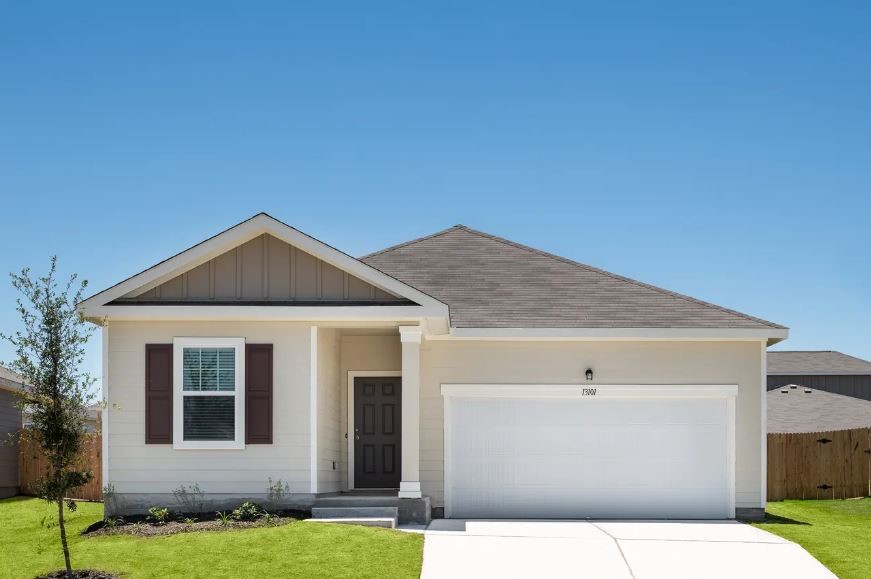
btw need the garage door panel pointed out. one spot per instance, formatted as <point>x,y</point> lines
<point>570,458</point>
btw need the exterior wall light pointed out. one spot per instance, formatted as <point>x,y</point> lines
<point>589,373</point>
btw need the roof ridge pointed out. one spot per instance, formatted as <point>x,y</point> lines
<point>613,275</point>
<point>413,241</point>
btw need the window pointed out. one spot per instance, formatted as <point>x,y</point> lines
<point>209,397</point>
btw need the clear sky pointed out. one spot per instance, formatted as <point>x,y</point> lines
<point>719,149</point>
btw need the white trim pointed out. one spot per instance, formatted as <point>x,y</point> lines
<point>774,334</point>
<point>410,334</point>
<point>313,409</point>
<point>763,412</point>
<point>728,392</point>
<point>238,235</point>
<point>104,415</point>
<point>268,313</point>
<point>577,390</point>
<point>352,374</point>
<point>178,393</point>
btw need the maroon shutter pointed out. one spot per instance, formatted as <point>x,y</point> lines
<point>158,393</point>
<point>258,393</point>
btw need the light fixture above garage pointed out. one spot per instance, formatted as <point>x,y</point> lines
<point>589,373</point>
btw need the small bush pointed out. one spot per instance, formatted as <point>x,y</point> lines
<point>248,511</point>
<point>190,499</point>
<point>159,515</point>
<point>225,518</point>
<point>276,491</point>
<point>113,522</point>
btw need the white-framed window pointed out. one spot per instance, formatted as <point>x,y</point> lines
<point>208,393</point>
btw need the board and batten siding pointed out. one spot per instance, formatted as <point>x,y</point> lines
<point>10,424</point>
<point>613,362</point>
<point>142,473</point>
<point>264,269</point>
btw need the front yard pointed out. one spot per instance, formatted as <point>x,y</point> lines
<point>838,533</point>
<point>297,549</point>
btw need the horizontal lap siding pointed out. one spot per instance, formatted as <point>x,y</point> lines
<point>10,423</point>
<point>135,467</point>
<point>613,362</point>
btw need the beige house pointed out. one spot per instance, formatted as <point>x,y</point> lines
<point>460,374</point>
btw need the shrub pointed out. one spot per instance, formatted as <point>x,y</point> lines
<point>225,518</point>
<point>189,499</point>
<point>276,491</point>
<point>159,515</point>
<point>248,511</point>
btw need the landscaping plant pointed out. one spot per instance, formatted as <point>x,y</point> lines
<point>50,349</point>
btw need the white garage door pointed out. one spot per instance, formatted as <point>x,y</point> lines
<point>617,452</point>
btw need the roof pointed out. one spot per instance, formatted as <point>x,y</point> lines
<point>799,409</point>
<point>9,380</point>
<point>825,362</point>
<point>491,282</point>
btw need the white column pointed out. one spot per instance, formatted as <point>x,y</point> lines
<point>409,487</point>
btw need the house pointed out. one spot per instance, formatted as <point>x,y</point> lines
<point>828,371</point>
<point>10,424</point>
<point>92,419</point>
<point>459,372</point>
<point>794,408</point>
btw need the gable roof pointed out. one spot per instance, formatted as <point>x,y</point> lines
<point>101,304</point>
<point>799,409</point>
<point>824,362</point>
<point>491,282</point>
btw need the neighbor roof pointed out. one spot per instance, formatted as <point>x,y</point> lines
<point>816,362</point>
<point>799,409</point>
<point>9,380</point>
<point>491,282</point>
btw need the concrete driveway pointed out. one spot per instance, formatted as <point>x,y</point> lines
<point>612,549</point>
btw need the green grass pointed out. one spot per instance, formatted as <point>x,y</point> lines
<point>838,533</point>
<point>298,549</point>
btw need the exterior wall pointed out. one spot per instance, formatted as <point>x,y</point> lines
<point>362,353</point>
<point>144,475</point>
<point>329,438</point>
<point>10,424</point>
<point>857,386</point>
<point>265,268</point>
<point>614,362</point>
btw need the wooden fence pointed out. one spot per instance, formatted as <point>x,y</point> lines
<point>33,465</point>
<point>819,465</point>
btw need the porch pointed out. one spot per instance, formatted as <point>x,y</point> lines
<point>365,429</point>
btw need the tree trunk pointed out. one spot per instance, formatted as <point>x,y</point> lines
<point>63,537</point>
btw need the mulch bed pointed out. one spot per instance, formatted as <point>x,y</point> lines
<point>142,527</point>
<point>78,574</point>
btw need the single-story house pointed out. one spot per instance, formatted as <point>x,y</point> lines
<point>460,372</point>
<point>10,424</point>
<point>793,408</point>
<point>825,370</point>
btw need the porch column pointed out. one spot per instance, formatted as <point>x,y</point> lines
<point>409,486</point>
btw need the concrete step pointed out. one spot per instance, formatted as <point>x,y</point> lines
<point>383,522</point>
<point>355,512</point>
<point>357,501</point>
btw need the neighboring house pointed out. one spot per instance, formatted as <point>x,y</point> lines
<point>821,370</point>
<point>93,413</point>
<point>459,370</point>
<point>794,408</point>
<point>10,424</point>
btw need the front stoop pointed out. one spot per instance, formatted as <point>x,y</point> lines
<point>351,507</point>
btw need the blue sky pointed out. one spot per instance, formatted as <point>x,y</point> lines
<point>722,150</point>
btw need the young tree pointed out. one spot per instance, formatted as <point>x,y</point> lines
<point>50,350</point>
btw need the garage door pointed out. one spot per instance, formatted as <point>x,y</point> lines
<point>573,452</point>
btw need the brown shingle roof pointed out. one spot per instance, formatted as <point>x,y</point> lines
<point>816,362</point>
<point>491,282</point>
<point>800,409</point>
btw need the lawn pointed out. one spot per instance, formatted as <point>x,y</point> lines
<point>298,549</point>
<point>838,533</point>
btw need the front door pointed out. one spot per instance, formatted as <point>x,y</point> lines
<point>377,432</point>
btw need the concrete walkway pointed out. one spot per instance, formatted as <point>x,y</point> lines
<point>612,549</point>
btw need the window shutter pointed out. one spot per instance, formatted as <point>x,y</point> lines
<point>258,393</point>
<point>158,393</point>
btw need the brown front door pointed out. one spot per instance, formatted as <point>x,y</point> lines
<point>377,432</point>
